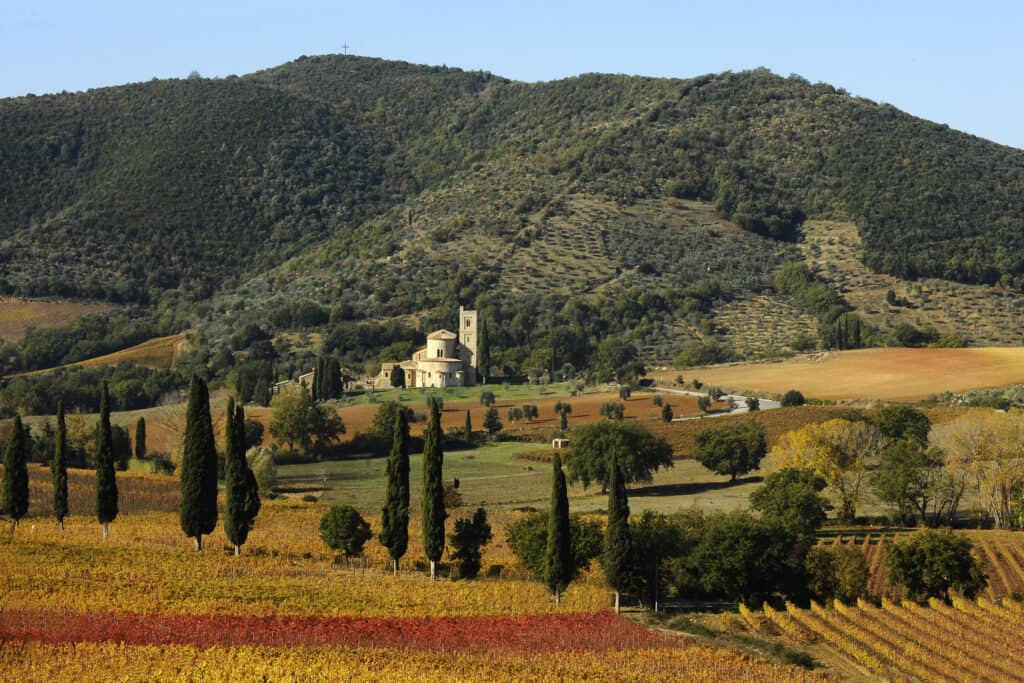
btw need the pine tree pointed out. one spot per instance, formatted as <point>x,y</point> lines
<point>559,567</point>
<point>15,486</point>
<point>198,467</point>
<point>617,540</point>
<point>140,438</point>
<point>394,533</point>
<point>483,352</point>
<point>59,468</point>
<point>433,490</point>
<point>469,427</point>
<point>241,490</point>
<point>106,480</point>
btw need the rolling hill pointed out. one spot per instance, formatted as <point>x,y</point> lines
<point>655,210</point>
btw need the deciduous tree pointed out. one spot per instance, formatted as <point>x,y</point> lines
<point>594,446</point>
<point>735,449</point>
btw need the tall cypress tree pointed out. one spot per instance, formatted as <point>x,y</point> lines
<point>333,388</point>
<point>483,352</point>
<point>469,427</point>
<point>106,480</point>
<point>559,565</point>
<point>198,467</point>
<point>433,490</point>
<point>15,486</point>
<point>140,438</point>
<point>617,541</point>
<point>59,468</point>
<point>241,490</point>
<point>394,533</point>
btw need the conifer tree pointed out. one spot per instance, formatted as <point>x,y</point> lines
<point>140,438</point>
<point>241,489</point>
<point>334,384</point>
<point>394,533</point>
<point>483,352</point>
<point>15,486</point>
<point>198,510</point>
<point>261,392</point>
<point>59,468</point>
<point>106,480</point>
<point>433,490</point>
<point>617,541</point>
<point>469,427</point>
<point>559,566</point>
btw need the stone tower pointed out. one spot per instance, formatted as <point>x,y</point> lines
<point>467,342</point>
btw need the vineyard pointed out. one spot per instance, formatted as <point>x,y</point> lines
<point>977,641</point>
<point>1000,554</point>
<point>142,606</point>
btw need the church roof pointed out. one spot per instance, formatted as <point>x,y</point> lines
<point>442,334</point>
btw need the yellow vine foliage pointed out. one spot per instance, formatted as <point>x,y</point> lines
<point>93,663</point>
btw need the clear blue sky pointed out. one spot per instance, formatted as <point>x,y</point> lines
<point>959,63</point>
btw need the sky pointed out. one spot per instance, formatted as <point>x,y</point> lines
<point>958,63</point>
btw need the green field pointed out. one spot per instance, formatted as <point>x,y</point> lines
<point>502,392</point>
<point>496,477</point>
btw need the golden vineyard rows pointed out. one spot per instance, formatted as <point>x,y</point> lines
<point>976,641</point>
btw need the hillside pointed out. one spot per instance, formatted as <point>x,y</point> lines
<point>337,189</point>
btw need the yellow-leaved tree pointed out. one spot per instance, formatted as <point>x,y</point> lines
<point>839,451</point>
<point>986,448</point>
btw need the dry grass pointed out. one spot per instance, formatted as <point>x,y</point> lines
<point>894,374</point>
<point>157,353</point>
<point>17,315</point>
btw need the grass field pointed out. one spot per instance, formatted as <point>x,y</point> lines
<point>17,315</point>
<point>157,353</point>
<point>890,374</point>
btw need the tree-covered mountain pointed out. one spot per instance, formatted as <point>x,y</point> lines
<point>592,206</point>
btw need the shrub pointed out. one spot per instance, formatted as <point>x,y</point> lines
<point>343,528</point>
<point>469,537</point>
<point>792,398</point>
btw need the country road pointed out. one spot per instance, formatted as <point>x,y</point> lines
<point>739,401</point>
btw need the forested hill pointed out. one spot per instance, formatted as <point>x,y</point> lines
<point>181,188</point>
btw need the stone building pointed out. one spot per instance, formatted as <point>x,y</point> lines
<point>449,359</point>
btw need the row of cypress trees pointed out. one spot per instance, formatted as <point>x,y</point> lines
<point>198,509</point>
<point>559,564</point>
<point>15,497</point>
<point>394,533</point>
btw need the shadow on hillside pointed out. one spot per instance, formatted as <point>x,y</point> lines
<point>690,488</point>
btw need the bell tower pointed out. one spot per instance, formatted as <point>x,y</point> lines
<point>467,342</point>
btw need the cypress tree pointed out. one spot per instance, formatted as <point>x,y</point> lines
<point>394,533</point>
<point>198,467</point>
<point>617,540</point>
<point>433,490</point>
<point>334,388</point>
<point>140,438</point>
<point>240,487</point>
<point>559,567</point>
<point>483,352</point>
<point>261,392</point>
<point>15,486</point>
<point>106,480</point>
<point>59,468</point>
<point>469,427</point>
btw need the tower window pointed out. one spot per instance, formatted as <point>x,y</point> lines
<point>469,322</point>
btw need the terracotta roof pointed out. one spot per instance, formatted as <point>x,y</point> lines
<point>442,334</point>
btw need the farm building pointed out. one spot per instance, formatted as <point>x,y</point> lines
<point>448,359</point>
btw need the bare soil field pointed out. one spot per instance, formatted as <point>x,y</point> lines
<point>17,315</point>
<point>894,374</point>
